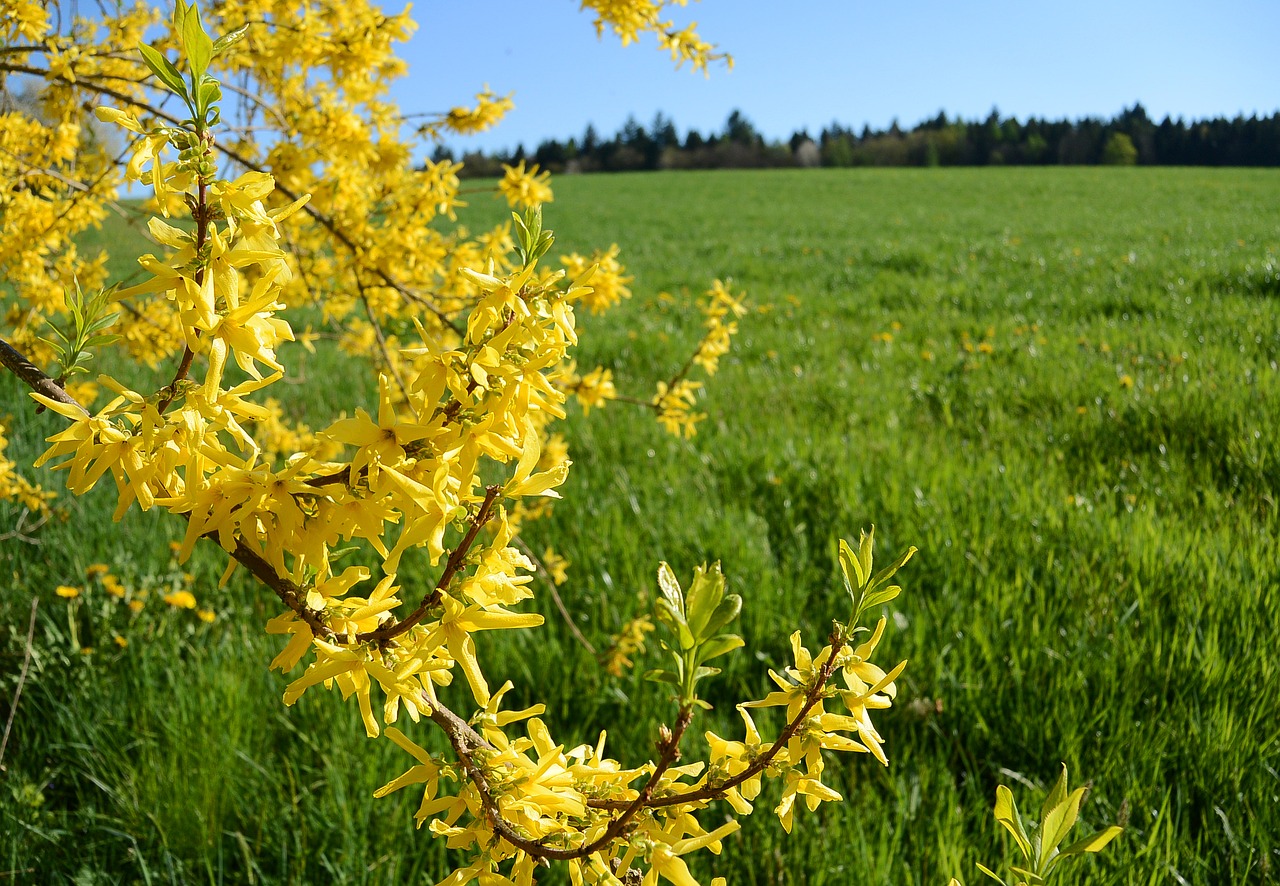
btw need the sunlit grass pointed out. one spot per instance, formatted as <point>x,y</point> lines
<point>1060,384</point>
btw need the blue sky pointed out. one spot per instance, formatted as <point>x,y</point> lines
<point>853,61</point>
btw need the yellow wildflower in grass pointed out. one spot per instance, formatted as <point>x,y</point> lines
<point>67,591</point>
<point>120,641</point>
<point>181,600</point>
<point>97,569</point>
<point>206,615</point>
<point>135,606</point>
<point>1126,381</point>
<point>112,585</point>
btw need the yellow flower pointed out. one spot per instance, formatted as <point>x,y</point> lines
<point>557,567</point>
<point>97,569</point>
<point>525,188</point>
<point>135,606</point>
<point>67,591</point>
<point>206,615</point>
<point>665,859</point>
<point>181,599</point>
<point>120,641</point>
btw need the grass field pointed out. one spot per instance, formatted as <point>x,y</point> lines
<point>1060,384</point>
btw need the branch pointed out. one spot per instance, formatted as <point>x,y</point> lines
<point>33,377</point>
<point>555,595</point>
<point>717,791</point>
<point>451,567</point>
<point>93,84</point>
<point>22,679</point>
<point>466,741</point>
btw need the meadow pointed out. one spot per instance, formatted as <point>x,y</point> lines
<point>1061,384</point>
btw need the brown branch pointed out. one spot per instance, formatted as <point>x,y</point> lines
<point>33,377</point>
<point>466,741</point>
<point>451,567</point>
<point>759,764</point>
<point>202,216</point>
<point>288,592</point>
<point>22,679</point>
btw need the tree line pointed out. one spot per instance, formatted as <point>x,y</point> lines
<point>1129,138</point>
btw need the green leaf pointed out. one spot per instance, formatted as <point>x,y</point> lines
<point>101,341</point>
<point>1058,824</point>
<point>888,572</point>
<point>877,598</point>
<point>164,70</point>
<point>198,44</point>
<point>1093,842</point>
<point>226,41</point>
<point>705,672</point>
<point>1057,794</point>
<point>726,612</point>
<point>180,10</point>
<point>990,873</point>
<point>718,646</point>
<point>704,596</point>
<point>661,675</point>
<point>854,576</point>
<point>208,94</point>
<point>865,543</point>
<point>1007,815</point>
<point>670,588</point>
<point>668,615</point>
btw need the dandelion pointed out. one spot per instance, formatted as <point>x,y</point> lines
<point>67,591</point>
<point>120,641</point>
<point>181,600</point>
<point>206,615</point>
<point>97,569</point>
<point>1126,381</point>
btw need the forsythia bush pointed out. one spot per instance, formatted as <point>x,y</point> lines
<point>310,202</point>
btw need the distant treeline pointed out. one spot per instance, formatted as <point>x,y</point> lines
<point>1127,139</point>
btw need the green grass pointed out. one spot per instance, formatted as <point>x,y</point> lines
<point>1095,503</point>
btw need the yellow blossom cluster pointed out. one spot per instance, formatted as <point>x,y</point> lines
<point>472,337</point>
<point>721,310</point>
<point>525,188</point>
<point>629,19</point>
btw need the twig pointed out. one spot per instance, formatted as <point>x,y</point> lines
<point>555,595</point>
<point>91,83</point>
<point>381,337</point>
<point>31,375</point>
<point>718,790</point>
<point>22,679</point>
<point>451,567</point>
<point>22,532</point>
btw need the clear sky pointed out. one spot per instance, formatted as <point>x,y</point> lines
<point>805,64</point>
